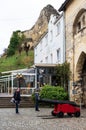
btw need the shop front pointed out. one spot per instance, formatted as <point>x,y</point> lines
<point>26,80</point>
<point>46,74</point>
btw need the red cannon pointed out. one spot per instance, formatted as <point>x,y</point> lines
<point>62,107</point>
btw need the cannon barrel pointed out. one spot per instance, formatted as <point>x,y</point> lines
<point>50,101</point>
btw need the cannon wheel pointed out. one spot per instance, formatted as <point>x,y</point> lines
<point>69,114</point>
<point>53,113</point>
<point>77,114</point>
<point>60,114</point>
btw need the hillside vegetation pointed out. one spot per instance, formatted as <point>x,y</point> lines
<point>25,41</point>
<point>17,61</point>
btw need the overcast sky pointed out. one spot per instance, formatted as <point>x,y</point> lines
<point>20,15</point>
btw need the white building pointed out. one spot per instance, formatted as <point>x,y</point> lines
<point>50,49</point>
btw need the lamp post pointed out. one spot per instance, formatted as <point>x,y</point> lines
<point>19,79</point>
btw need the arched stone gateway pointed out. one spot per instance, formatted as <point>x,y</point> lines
<point>81,82</point>
<point>76,44</point>
<point>79,56</point>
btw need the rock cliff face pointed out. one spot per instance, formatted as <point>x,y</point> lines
<point>41,24</point>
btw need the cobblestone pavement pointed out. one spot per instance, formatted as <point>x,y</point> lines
<point>28,119</point>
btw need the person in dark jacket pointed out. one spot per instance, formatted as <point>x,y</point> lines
<point>36,100</point>
<point>17,98</point>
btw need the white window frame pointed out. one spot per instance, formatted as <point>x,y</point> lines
<point>46,40</point>
<point>36,51</point>
<point>46,59</point>
<point>41,45</point>
<point>58,28</point>
<point>51,57</point>
<point>58,55</point>
<point>51,35</point>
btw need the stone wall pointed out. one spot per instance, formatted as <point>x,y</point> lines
<point>75,43</point>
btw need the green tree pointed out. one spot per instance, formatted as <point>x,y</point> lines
<point>53,92</point>
<point>63,74</point>
<point>15,41</point>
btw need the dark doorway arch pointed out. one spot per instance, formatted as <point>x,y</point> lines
<point>84,82</point>
<point>81,70</point>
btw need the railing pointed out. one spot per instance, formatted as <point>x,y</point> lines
<point>25,91</point>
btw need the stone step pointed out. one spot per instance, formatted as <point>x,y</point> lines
<point>25,102</point>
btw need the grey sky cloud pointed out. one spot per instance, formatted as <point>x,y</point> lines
<point>20,15</point>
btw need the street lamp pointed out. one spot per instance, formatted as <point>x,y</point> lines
<point>19,78</point>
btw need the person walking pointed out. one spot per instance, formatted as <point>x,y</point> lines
<point>17,98</point>
<point>36,100</point>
